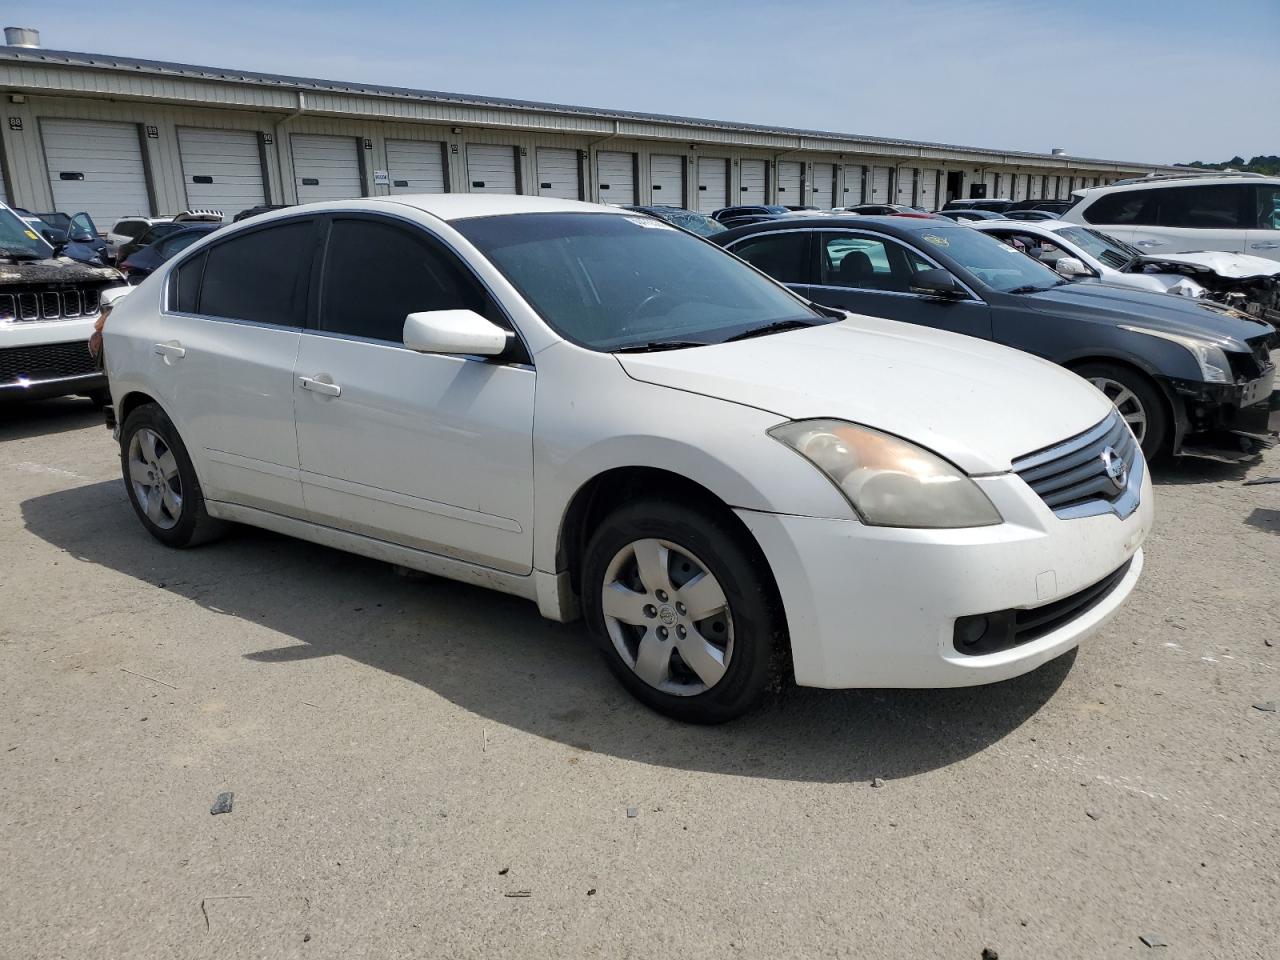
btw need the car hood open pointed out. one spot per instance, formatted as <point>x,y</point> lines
<point>978,404</point>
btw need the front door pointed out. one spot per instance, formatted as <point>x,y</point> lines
<point>428,451</point>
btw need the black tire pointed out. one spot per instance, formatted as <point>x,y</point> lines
<point>99,398</point>
<point>1155,441</point>
<point>757,625</point>
<point>194,526</point>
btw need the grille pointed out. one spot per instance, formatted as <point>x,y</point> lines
<point>47,361</point>
<point>48,304</point>
<point>1031,624</point>
<point>1073,473</point>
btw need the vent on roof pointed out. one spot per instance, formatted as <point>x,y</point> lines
<point>21,37</point>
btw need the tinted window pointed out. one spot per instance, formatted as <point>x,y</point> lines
<point>1267,200</point>
<point>184,293</point>
<point>377,273</point>
<point>130,228</point>
<point>260,276</point>
<point>168,247</point>
<point>1124,207</point>
<point>1207,207</point>
<point>867,263</point>
<point>783,256</point>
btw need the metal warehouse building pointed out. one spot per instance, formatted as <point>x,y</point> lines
<point>118,136</point>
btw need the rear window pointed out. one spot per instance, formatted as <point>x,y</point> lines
<point>130,228</point>
<point>1208,207</point>
<point>260,276</point>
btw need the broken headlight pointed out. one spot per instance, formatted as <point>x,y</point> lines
<point>1214,367</point>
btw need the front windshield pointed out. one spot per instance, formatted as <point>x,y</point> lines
<point>18,240</point>
<point>1107,249</point>
<point>996,264</point>
<point>609,282</point>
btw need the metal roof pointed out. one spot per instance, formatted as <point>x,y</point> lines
<point>135,66</point>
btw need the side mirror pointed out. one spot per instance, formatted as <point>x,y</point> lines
<point>453,331</point>
<point>936,283</point>
<point>1071,267</point>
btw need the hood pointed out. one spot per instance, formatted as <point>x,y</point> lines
<point>975,403</point>
<point>1109,303</point>
<point>1229,266</point>
<point>56,270</point>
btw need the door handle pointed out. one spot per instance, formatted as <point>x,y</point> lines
<point>323,387</point>
<point>1266,245</point>
<point>1150,243</point>
<point>170,351</point>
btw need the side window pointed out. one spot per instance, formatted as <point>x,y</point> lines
<point>173,245</point>
<point>376,273</point>
<point>260,276</point>
<point>184,289</point>
<point>868,263</point>
<point>1126,207</point>
<point>783,256</point>
<point>1268,207</point>
<point>1207,207</point>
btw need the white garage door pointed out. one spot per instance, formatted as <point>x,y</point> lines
<point>1019,186</point>
<point>491,169</point>
<point>558,174</point>
<point>790,182</point>
<point>713,183</point>
<point>853,186</point>
<point>906,185</point>
<point>616,176</point>
<point>993,185</point>
<point>824,185</point>
<point>95,167</point>
<point>1037,183</point>
<point>326,168</point>
<point>879,185</point>
<point>222,170</point>
<point>752,176</point>
<point>929,188</point>
<point>416,166</point>
<point>666,176</point>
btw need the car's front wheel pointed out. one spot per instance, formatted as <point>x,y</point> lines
<point>682,609</point>
<point>1136,400</point>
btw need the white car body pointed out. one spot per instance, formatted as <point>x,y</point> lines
<point>865,606</point>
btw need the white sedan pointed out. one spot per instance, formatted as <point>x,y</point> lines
<point>611,417</point>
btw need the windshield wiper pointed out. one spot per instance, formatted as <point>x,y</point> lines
<point>1029,288</point>
<point>776,327</point>
<point>654,345</point>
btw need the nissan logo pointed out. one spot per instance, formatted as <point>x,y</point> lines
<point>1117,470</point>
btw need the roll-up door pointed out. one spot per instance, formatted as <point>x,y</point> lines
<point>326,168</point>
<point>993,183</point>
<point>559,173</point>
<point>790,182</point>
<point>416,166</point>
<point>1019,186</point>
<point>491,169</point>
<point>824,185</point>
<point>852,186</point>
<point>96,167</point>
<point>1036,188</point>
<point>713,183</point>
<point>666,181</point>
<point>906,186</point>
<point>929,188</point>
<point>1068,185</point>
<point>221,169</point>
<point>616,177</point>
<point>880,179</point>
<point>751,173</point>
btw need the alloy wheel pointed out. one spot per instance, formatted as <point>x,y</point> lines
<point>668,617</point>
<point>153,471</point>
<point>1127,402</point>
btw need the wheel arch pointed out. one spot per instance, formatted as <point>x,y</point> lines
<point>1177,416</point>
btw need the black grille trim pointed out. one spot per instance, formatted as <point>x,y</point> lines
<point>33,306</point>
<point>47,361</point>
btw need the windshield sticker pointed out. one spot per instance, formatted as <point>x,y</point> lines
<point>649,223</point>
<point>936,240</point>
<point>31,234</point>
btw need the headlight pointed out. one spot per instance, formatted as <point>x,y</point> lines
<point>1213,362</point>
<point>889,482</point>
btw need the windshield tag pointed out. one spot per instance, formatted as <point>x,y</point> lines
<point>936,240</point>
<point>31,234</point>
<point>649,223</point>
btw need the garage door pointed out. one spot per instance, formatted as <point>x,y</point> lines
<point>1036,187</point>
<point>1019,186</point>
<point>713,183</point>
<point>416,166</point>
<point>491,169</point>
<point>929,188</point>
<point>824,185</point>
<point>880,177</point>
<point>616,176</point>
<point>326,168</point>
<point>790,182</point>
<point>222,170</point>
<point>95,167</point>
<point>993,185</point>
<point>853,186</point>
<point>667,181</point>
<point>751,173</point>
<point>906,184</point>
<point>558,174</point>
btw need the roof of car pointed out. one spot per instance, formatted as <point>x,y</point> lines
<point>1009,223</point>
<point>460,206</point>
<point>901,226</point>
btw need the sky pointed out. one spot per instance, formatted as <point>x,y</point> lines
<point>1161,82</point>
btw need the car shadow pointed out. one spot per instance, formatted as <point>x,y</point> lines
<point>1190,470</point>
<point>496,657</point>
<point>21,420</point>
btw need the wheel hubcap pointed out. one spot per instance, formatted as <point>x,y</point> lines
<point>667,617</point>
<point>1127,402</point>
<point>153,472</point>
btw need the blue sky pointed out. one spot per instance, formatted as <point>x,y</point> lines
<point>1169,81</point>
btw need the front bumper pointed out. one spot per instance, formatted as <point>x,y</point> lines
<point>52,387</point>
<point>877,607</point>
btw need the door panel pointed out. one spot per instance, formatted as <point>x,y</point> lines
<point>491,169</point>
<point>222,169</point>
<point>666,181</point>
<point>824,178</point>
<point>713,183</point>
<point>880,181</point>
<point>326,168</point>
<point>96,167</point>
<point>416,166</point>
<point>558,173</point>
<point>616,177</point>
<point>790,181</point>
<point>751,173</point>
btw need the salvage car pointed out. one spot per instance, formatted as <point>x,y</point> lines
<point>966,214</point>
<point>736,216</point>
<point>597,411</point>
<point>696,223</point>
<point>994,204</point>
<point>1187,375</point>
<point>140,264</point>
<point>48,305</point>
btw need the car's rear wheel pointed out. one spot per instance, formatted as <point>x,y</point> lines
<point>682,610</point>
<point>161,481</point>
<point>1137,401</point>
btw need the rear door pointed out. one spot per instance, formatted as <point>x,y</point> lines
<point>1264,239</point>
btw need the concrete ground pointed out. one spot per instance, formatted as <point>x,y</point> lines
<point>429,770</point>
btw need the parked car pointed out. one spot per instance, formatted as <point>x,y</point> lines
<point>1051,206</point>
<point>736,216</point>
<point>1030,215</point>
<point>637,426</point>
<point>1235,213</point>
<point>127,229</point>
<point>140,264</point>
<point>879,209</point>
<point>994,204</point>
<point>691,220</point>
<point>968,215</point>
<point>48,305</point>
<point>71,235</point>
<point>159,231</point>
<point>254,211</point>
<point>1182,372</point>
